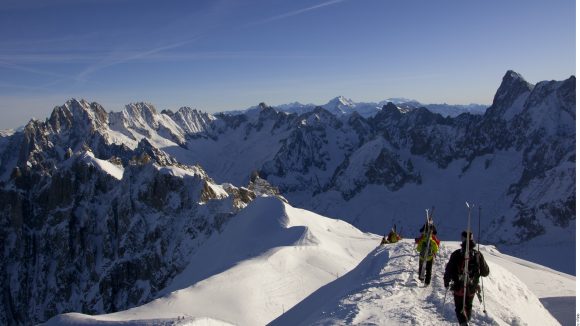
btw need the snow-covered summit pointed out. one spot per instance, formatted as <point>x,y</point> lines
<point>340,105</point>
<point>77,114</point>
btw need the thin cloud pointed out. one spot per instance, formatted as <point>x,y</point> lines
<point>115,59</point>
<point>297,12</point>
<point>39,58</point>
<point>150,55</point>
<point>105,60</point>
<point>13,66</point>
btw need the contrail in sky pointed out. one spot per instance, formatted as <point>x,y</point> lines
<point>115,61</point>
<point>298,12</point>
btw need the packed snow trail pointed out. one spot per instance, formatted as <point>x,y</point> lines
<point>384,289</point>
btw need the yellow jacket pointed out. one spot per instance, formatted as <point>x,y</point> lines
<point>421,247</point>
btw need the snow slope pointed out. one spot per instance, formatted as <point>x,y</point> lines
<point>269,258</point>
<point>277,264</point>
<point>384,290</point>
<point>106,166</point>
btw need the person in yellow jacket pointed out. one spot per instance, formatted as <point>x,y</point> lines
<point>392,237</point>
<point>433,249</point>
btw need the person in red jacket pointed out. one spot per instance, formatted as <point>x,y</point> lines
<point>454,273</point>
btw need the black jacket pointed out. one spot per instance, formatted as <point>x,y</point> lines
<point>454,269</point>
<point>432,226</point>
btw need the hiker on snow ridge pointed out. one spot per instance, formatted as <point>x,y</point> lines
<point>454,272</point>
<point>433,249</point>
<point>392,237</point>
<point>429,224</point>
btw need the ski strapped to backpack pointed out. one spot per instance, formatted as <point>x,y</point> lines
<point>466,257</point>
<point>427,234</point>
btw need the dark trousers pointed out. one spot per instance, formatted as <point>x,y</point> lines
<point>461,316</point>
<point>428,268</point>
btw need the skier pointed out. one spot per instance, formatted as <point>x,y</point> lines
<point>454,272</point>
<point>425,226</point>
<point>433,249</point>
<point>393,236</point>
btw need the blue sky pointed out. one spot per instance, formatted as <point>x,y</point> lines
<point>217,55</point>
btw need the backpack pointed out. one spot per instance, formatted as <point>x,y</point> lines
<point>475,270</point>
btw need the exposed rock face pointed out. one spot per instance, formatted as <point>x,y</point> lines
<point>529,126</point>
<point>89,234</point>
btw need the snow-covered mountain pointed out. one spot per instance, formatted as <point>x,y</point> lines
<point>84,233</point>
<point>279,265</point>
<point>341,105</point>
<point>117,189</point>
<point>517,161</point>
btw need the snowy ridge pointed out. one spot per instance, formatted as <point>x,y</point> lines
<point>106,166</point>
<point>268,258</point>
<point>383,290</point>
<point>284,266</point>
<point>191,120</point>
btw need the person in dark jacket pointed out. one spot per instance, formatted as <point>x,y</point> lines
<point>429,224</point>
<point>454,273</point>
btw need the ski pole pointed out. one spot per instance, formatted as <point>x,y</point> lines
<point>483,297</point>
<point>445,298</point>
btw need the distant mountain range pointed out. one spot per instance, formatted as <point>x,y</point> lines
<point>100,210</point>
<point>341,105</point>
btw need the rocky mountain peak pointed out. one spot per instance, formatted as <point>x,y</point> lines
<point>143,112</point>
<point>320,116</point>
<point>261,187</point>
<point>192,121</point>
<point>389,112</point>
<point>186,110</point>
<point>146,149</point>
<point>341,100</point>
<point>340,105</point>
<point>390,106</point>
<point>79,115</point>
<point>510,96</point>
